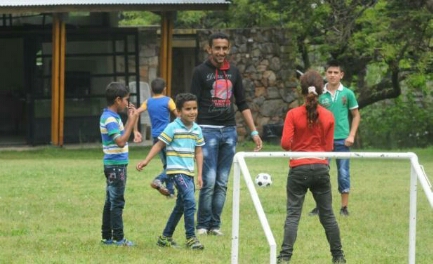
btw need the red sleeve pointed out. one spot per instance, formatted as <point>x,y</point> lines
<point>288,132</point>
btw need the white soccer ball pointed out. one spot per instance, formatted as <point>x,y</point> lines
<point>263,180</point>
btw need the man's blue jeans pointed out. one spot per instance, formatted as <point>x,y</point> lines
<point>343,167</point>
<point>185,205</point>
<point>112,219</point>
<point>218,153</point>
<point>163,177</point>
<point>316,178</point>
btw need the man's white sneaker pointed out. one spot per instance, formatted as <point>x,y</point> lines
<point>201,231</point>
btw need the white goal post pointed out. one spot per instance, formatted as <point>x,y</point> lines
<point>417,174</point>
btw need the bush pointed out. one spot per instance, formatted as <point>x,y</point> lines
<point>395,124</point>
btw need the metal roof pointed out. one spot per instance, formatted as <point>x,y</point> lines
<point>52,6</point>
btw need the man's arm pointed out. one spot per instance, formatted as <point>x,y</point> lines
<point>248,117</point>
<point>356,118</point>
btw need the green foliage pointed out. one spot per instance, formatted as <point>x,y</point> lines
<point>396,124</point>
<point>138,18</point>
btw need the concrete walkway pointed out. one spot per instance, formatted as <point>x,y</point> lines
<point>68,146</point>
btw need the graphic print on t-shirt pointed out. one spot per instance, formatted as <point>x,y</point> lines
<point>221,93</point>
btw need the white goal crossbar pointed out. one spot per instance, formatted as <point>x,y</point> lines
<point>417,174</point>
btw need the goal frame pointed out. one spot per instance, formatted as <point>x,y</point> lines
<point>240,166</point>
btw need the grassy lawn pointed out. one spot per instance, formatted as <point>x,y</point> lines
<point>51,202</point>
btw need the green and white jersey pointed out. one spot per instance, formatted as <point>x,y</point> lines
<point>339,103</point>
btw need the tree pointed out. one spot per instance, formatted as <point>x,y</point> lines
<point>381,42</point>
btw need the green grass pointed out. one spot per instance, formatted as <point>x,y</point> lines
<point>51,202</point>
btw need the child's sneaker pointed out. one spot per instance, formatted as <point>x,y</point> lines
<point>193,243</point>
<point>339,260</point>
<point>107,241</point>
<point>216,232</point>
<point>164,241</point>
<point>124,242</point>
<point>156,184</point>
<point>344,211</point>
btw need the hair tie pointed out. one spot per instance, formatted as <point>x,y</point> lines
<point>312,89</point>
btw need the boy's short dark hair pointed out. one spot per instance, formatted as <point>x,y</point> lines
<point>334,63</point>
<point>184,97</point>
<point>157,85</point>
<point>114,90</point>
<point>217,35</point>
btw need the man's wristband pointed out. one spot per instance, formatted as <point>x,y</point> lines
<point>254,133</point>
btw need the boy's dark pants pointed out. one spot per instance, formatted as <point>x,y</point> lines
<point>112,220</point>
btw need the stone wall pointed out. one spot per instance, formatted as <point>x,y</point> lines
<point>266,59</point>
<point>148,53</point>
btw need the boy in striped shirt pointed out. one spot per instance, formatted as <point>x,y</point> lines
<point>115,147</point>
<point>183,140</point>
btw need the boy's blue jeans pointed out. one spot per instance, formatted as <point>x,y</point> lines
<point>163,177</point>
<point>185,205</point>
<point>112,219</point>
<point>218,153</point>
<point>343,167</point>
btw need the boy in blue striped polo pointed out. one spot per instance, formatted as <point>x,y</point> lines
<point>115,147</point>
<point>183,140</point>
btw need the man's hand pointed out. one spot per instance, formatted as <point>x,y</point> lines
<point>258,142</point>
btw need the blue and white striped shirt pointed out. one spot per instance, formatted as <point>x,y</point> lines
<point>111,127</point>
<point>180,145</point>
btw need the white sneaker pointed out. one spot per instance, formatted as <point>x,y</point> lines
<point>201,231</point>
<point>216,232</point>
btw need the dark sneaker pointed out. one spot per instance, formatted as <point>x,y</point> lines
<point>156,184</point>
<point>124,242</point>
<point>314,212</point>
<point>338,260</point>
<point>283,260</point>
<point>164,241</point>
<point>344,211</point>
<point>215,232</point>
<point>193,243</point>
<point>107,241</point>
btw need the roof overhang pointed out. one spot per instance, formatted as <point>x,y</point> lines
<point>64,6</point>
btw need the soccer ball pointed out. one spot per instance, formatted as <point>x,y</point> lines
<point>263,180</point>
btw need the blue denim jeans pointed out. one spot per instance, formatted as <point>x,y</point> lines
<point>112,219</point>
<point>185,205</point>
<point>316,178</point>
<point>343,167</point>
<point>218,156</point>
<point>163,176</point>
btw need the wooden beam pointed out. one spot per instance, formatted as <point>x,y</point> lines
<point>62,70</point>
<point>58,80</point>
<point>55,81</point>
